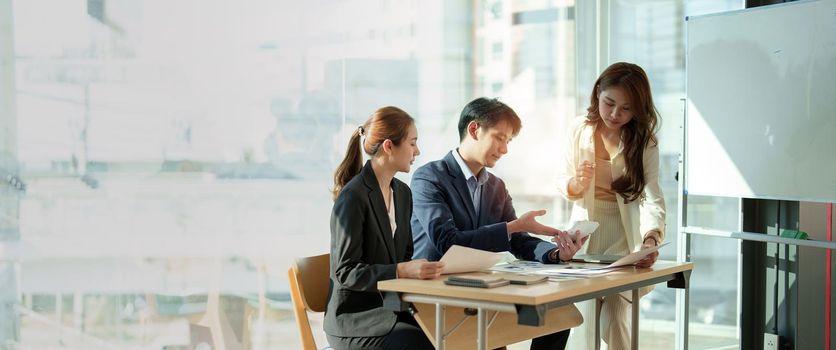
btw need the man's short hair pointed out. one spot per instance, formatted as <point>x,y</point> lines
<point>487,112</point>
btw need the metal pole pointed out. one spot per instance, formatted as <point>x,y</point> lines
<point>634,341</point>
<point>598,302</point>
<point>439,326</point>
<point>481,330</point>
<point>683,246</point>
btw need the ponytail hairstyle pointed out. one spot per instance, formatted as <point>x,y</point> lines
<point>387,123</point>
<point>637,134</point>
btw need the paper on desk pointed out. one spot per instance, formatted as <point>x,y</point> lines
<point>575,271</point>
<point>522,267</point>
<point>633,258</point>
<point>462,259</point>
<point>590,270</point>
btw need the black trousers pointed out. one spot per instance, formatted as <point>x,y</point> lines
<point>407,335</point>
<point>554,341</point>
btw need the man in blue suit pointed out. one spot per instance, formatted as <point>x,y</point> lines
<point>457,201</point>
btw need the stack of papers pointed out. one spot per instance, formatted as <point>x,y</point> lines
<point>460,259</point>
<point>576,271</point>
<point>522,266</point>
<point>588,270</point>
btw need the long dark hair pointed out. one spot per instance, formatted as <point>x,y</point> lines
<point>639,133</point>
<point>387,123</point>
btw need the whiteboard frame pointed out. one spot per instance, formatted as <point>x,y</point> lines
<point>685,150</point>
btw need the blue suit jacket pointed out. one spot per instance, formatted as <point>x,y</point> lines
<point>444,215</point>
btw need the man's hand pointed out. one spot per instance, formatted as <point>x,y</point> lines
<point>528,223</point>
<point>568,247</point>
<point>420,269</point>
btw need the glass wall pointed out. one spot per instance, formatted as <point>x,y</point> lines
<point>177,156</point>
<point>525,55</point>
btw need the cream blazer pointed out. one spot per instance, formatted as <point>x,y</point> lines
<point>638,217</point>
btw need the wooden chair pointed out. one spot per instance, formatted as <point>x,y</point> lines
<point>309,292</point>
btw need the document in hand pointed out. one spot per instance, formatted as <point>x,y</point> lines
<point>584,227</point>
<point>633,258</point>
<point>462,259</point>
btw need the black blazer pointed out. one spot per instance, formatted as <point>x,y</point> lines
<point>444,215</point>
<point>363,252</point>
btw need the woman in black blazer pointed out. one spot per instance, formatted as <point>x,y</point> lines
<point>371,238</point>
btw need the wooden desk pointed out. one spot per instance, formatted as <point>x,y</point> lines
<point>530,305</point>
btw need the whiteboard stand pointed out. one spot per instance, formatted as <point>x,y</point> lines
<point>683,246</point>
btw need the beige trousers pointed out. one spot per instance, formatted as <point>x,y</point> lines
<point>616,309</point>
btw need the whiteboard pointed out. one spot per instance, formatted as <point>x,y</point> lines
<point>761,92</point>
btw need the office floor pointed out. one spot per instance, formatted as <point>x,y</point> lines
<point>701,339</point>
<point>651,340</point>
<point>281,332</point>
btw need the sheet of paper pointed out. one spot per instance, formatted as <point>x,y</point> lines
<point>460,259</point>
<point>585,227</point>
<point>633,258</point>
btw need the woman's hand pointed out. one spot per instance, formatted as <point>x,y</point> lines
<point>583,177</point>
<point>650,259</point>
<point>420,269</point>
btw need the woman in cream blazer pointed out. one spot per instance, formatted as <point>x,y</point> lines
<point>640,217</point>
<point>612,177</point>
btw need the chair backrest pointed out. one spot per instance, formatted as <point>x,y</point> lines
<point>309,278</point>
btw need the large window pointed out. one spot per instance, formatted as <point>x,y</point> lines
<point>178,155</point>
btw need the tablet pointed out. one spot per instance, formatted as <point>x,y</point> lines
<point>597,258</point>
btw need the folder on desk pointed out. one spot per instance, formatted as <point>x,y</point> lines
<point>516,278</point>
<point>477,281</point>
